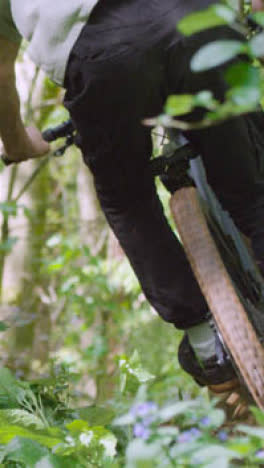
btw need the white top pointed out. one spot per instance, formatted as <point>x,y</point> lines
<point>51,28</point>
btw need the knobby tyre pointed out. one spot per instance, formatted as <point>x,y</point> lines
<point>218,290</point>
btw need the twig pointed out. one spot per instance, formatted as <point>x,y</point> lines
<point>241,8</point>
<point>32,178</point>
<point>29,110</point>
<point>180,124</point>
<point>5,227</point>
<point>168,122</point>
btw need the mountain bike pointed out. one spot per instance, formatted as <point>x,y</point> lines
<point>218,254</point>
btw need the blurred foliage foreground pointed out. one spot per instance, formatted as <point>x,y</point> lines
<point>89,374</point>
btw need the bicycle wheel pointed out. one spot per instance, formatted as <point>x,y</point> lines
<point>218,289</point>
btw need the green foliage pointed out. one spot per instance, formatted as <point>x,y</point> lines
<point>215,54</point>
<point>3,326</point>
<point>245,84</point>
<point>193,437</point>
<point>9,208</point>
<point>244,78</point>
<point>183,104</point>
<point>259,17</point>
<point>215,15</point>
<point>179,105</point>
<point>26,440</point>
<point>28,453</point>
<point>7,245</point>
<point>186,433</point>
<point>132,373</point>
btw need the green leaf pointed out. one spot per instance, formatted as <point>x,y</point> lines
<point>9,208</point>
<point>259,17</point>
<point>216,417</point>
<point>25,451</point>
<point>14,389</point>
<point>142,374</point>
<point>179,105</point>
<point>245,97</point>
<point>3,326</point>
<point>140,451</point>
<point>251,431</point>
<point>78,426</point>
<point>2,454</point>
<point>48,438</point>
<point>95,415</point>
<point>243,74</point>
<point>56,264</point>
<point>51,461</point>
<point>185,450</point>
<point>245,82</point>
<point>167,431</point>
<point>21,417</point>
<point>215,15</point>
<point>256,45</point>
<point>124,420</point>
<point>179,408</point>
<point>54,461</point>
<point>216,53</point>
<point>259,415</point>
<point>205,99</point>
<point>243,445</point>
<point>132,368</point>
<point>213,452</point>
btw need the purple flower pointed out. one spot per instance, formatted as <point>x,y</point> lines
<point>189,436</point>
<point>259,454</point>
<point>205,421</point>
<point>144,416</point>
<point>143,409</point>
<point>185,437</point>
<point>222,435</point>
<point>141,431</point>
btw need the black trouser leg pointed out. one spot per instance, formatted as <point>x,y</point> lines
<point>116,95</point>
<point>129,200</point>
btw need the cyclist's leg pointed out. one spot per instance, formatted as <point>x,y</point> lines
<point>108,96</point>
<point>233,152</point>
<point>111,87</point>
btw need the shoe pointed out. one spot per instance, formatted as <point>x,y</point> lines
<point>221,380</point>
<point>209,372</point>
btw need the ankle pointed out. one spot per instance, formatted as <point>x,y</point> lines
<point>202,340</point>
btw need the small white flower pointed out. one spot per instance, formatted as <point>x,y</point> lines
<point>109,442</point>
<point>70,441</point>
<point>85,438</point>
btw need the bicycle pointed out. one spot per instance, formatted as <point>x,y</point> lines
<point>222,263</point>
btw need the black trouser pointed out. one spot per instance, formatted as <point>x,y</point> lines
<point>127,60</point>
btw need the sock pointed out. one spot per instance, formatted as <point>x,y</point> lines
<point>202,340</point>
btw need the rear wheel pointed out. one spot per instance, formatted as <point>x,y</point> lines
<point>218,288</point>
